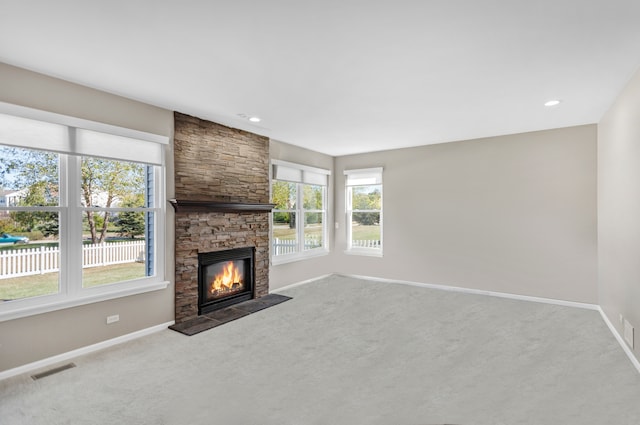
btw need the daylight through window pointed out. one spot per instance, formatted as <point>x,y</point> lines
<point>364,211</point>
<point>299,226</point>
<point>79,212</point>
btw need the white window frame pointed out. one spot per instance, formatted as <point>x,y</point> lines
<point>362,177</point>
<point>88,138</point>
<point>300,175</point>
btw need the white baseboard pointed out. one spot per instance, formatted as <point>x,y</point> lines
<point>304,282</point>
<point>618,337</point>
<point>134,335</point>
<point>596,307</point>
<point>482,292</point>
<point>84,350</point>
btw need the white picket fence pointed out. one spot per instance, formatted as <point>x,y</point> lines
<point>365,243</point>
<point>31,261</point>
<point>289,246</point>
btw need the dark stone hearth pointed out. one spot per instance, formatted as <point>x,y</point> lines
<point>195,325</point>
<point>225,315</point>
<point>228,314</point>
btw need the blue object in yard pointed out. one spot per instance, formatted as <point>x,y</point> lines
<point>7,238</point>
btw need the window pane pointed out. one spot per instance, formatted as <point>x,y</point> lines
<point>313,231</point>
<point>284,195</point>
<point>29,177</point>
<point>367,197</point>
<point>313,197</point>
<point>297,201</point>
<point>121,255</point>
<point>29,254</point>
<point>285,240</point>
<point>109,183</point>
<point>365,230</point>
<point>117,244</point>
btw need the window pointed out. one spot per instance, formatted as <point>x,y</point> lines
<point>81,218</point>
<point>299,226</point>
<point>364,211</point>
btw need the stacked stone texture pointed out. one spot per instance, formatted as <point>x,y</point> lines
<point>218,163</point>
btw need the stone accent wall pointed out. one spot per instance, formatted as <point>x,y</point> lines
<point>218,163</point>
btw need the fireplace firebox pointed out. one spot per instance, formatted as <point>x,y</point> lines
<point>225,278</point>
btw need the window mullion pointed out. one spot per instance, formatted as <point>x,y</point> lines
<point>300,215</point>
<point>157,230</point>
<point>71,238</point>
<point>325,230</point>
<point>349,218</point>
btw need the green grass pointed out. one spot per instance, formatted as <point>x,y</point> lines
<point>95,276</point>
<point>46,284</point>
<point>360,233</point>
<point>366,233</point>
<point>282,231</point>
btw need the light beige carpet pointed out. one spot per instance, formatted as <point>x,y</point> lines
<point>348,351</point>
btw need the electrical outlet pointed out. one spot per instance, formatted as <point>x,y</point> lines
<point>113,319</point>
<point>628,333</point>
<point>621,319</point>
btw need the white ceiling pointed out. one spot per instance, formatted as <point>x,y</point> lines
<point>341,76</point>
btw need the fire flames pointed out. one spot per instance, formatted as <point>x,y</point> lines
<point>230,279</point>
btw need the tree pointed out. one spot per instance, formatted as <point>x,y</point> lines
<point>131,223</point>
<point>105,182</point>
<point>21,168</point>
<point>36,195</point>
<point>36,173</point>
<point>366,199</point>
<point>7,225</point>
<point>51,226</point>
<point>312,200</point>
<point>283,194</point>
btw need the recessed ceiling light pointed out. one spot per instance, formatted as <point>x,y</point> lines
<point>251,118</point>
<point>553,102</point>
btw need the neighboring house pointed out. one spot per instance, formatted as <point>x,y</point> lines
<point>10,198</point>
<point>3,202</point>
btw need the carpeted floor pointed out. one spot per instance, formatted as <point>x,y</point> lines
<point>349,351</point>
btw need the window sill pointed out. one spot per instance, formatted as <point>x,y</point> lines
<point>276,261</point>
<point>365,252</point>
<point>10,310</point>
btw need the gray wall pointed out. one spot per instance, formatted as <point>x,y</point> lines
<point>285,274</point>
<point>619,209</point>
<point>513,214</point>
<point>33,338</point>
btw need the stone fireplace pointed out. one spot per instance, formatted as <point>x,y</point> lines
<point>222,204</point>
